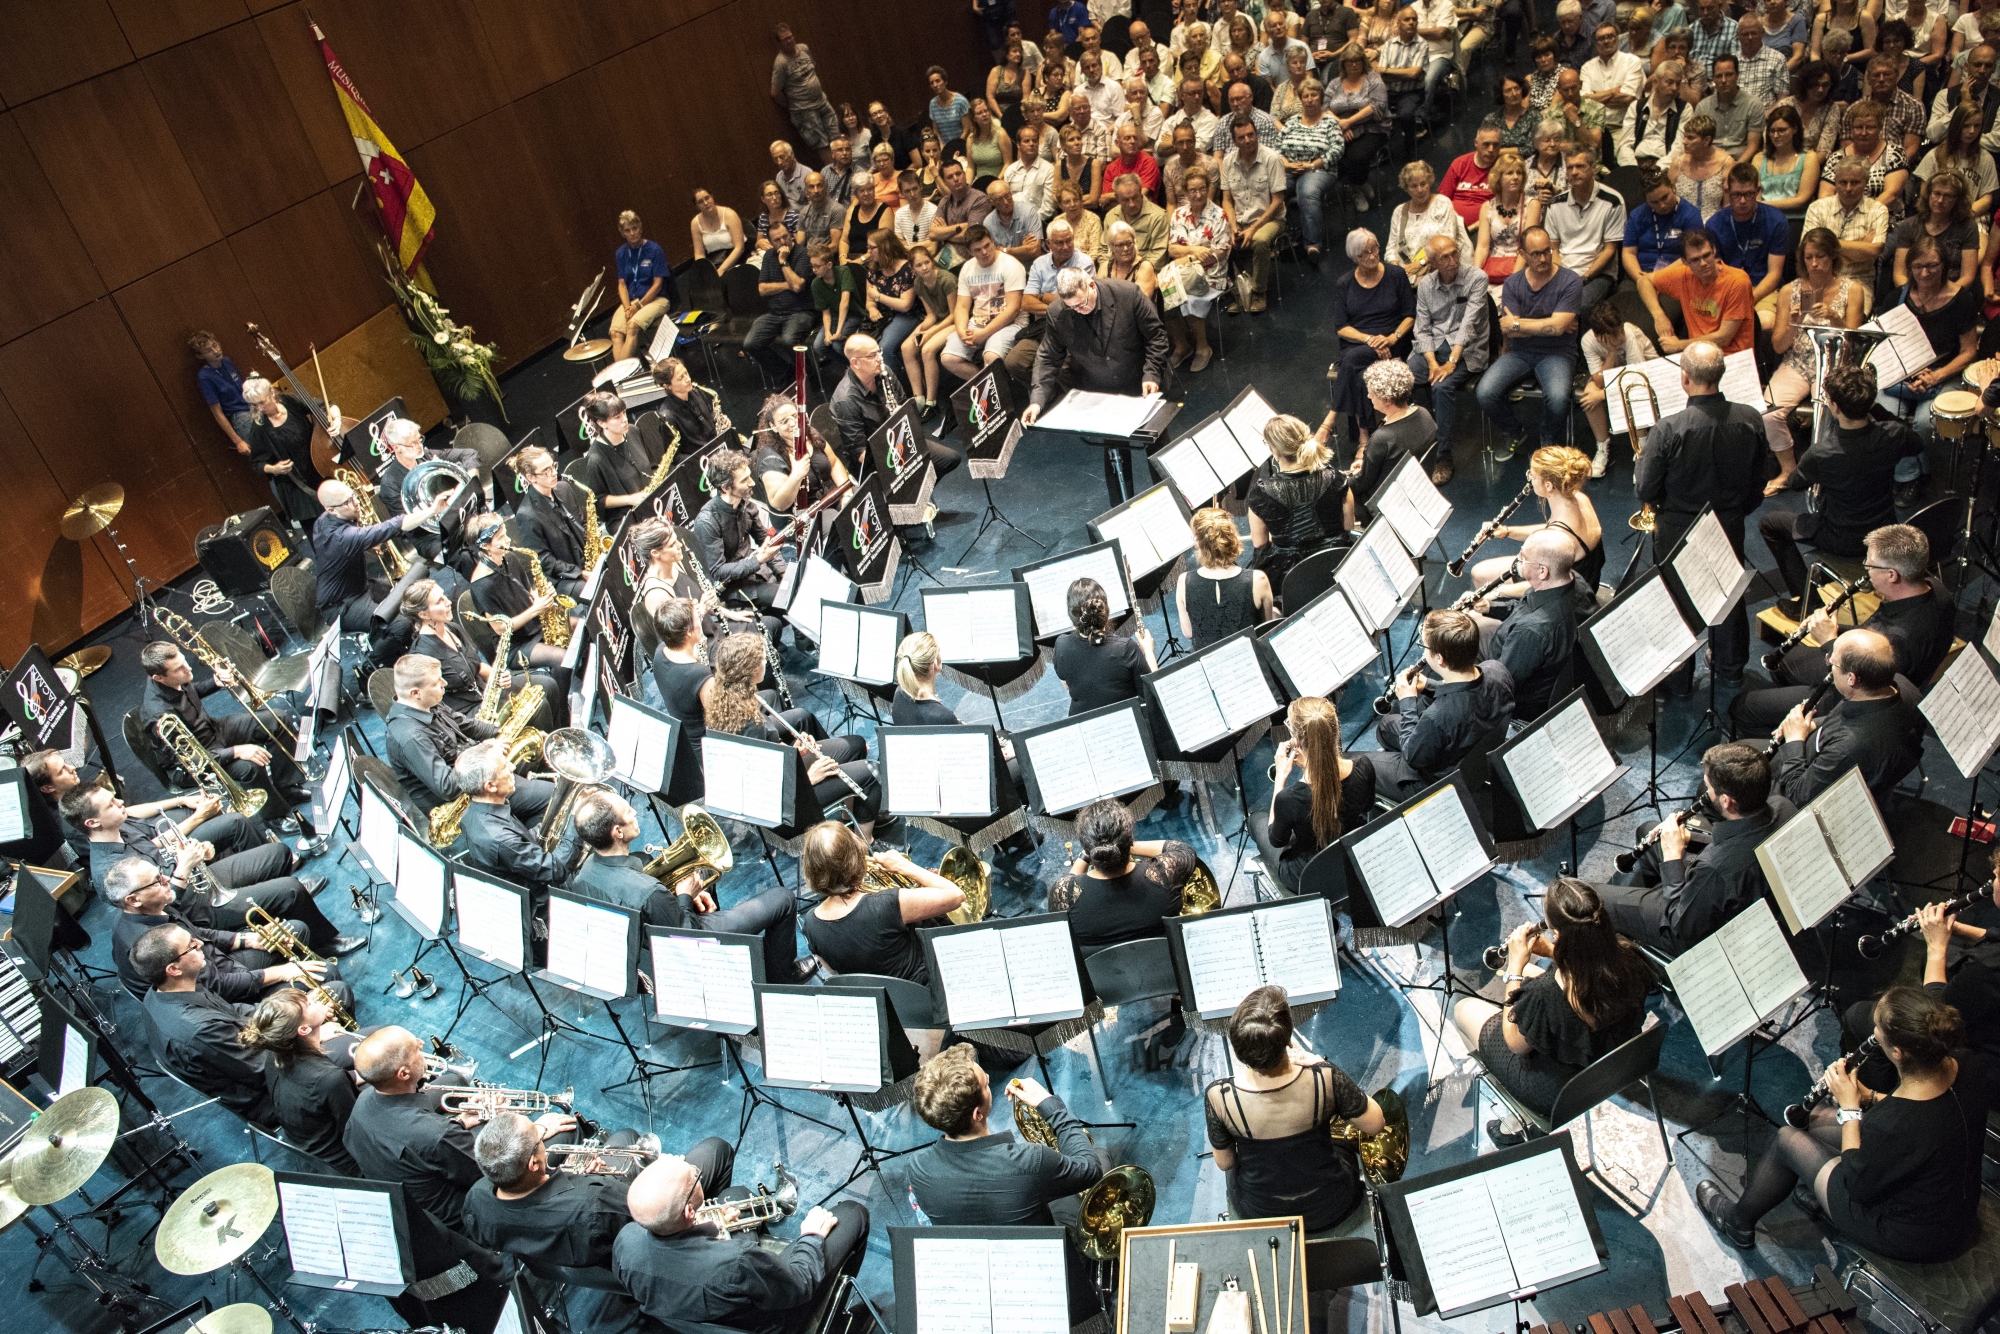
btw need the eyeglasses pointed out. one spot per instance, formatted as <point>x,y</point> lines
<point>1543,253</point>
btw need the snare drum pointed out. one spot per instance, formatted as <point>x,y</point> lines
<point>1953,413</point>
<point>617,373</point>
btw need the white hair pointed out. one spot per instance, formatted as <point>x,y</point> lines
<point>1121,230</point>
<point>1390,380</point>
<point>1071,281</point>
<point>1568,7</point>
<point>479,766</point>
<point>1358,241</point>
<point>256,389</point>
<point>402,431</point>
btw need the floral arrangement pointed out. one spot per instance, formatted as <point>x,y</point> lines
<point>462,366</point>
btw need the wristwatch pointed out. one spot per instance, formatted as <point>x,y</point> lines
<point>1847,1114</point>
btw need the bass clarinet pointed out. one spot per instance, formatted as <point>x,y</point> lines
<point>1791,641</point>
<point>1487,529</point>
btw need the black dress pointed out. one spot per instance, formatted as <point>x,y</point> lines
<point>1373,311</point>
<point>1122,907</point>
<point>1301,511</point>
<point>1410,435</point>
<point>1292,826</point>
<point>1218,608</point>
<point>1098,674</point>
<point>871,939</point>
<point>296,491</point>
<point>1562,1043</point>
<point>680,686</point>
<point>1911,1191</point>
<point>509,591</point>
<point>1286,1163</point>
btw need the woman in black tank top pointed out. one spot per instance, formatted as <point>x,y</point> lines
<point>1217,599</point>
<point>1557,474</point>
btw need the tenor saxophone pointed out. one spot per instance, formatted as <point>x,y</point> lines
<point>555,618</point>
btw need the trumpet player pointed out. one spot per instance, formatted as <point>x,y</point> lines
<point>496,839</point>
<point>235,740</point>
<point>1536,639</point>
<point>237,968</point>
<point>612,873</point>
<point>1435,725</point>
<point>426,736</point>
<point>398,1132</point>
<point>207,820</point>
<point>404,440</point>
<point>554,517</point>
<point>1871,726</point>
<point>308,1071</point>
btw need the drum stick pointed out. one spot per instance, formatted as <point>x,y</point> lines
<point>1285,1313</point>
<point>1257,1284</point>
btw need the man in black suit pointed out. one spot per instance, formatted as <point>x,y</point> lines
<point>404,441</point>
<point>236,966</point>
<point>426,737</point>
<point>553,516</point>
<point>238,742</point>
<point>1103,336</point>
<point>196,1028</point>
<point>1535,642</point>
<point>1871,726</point>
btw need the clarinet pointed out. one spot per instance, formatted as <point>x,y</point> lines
<point>1800,1112</point>
<point>1791,641</point>
<point>1470,596</point>
<point>811,745</point>
<point>1871,947</point>
<point>1811,701</point>
<point>1486,530</point>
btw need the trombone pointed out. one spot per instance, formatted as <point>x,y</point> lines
<point>1631,385</point>
<point>487,1100</point>
<point>277,938</point>
<point>206,771</point>
<point>241,688</point>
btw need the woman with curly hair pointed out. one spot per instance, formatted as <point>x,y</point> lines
<point>1557,473</point>
<point>1219,597</point>
<point>1406,431</point>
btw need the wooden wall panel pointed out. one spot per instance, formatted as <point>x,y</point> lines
<point>312,271</point>
<point>44,271</point>
<point>42,573</point>
<point>51,44</point>
<point>106,151</point>
<point>581,187</point>
<point>296,57</point>
<point>539,42</point>
<point>155,25</point>
<point>129,436</point>
<point>228,110</point>
<point>425,68</point>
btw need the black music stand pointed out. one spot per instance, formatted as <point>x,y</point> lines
<point>1149,435</point>
<point>992,418</point>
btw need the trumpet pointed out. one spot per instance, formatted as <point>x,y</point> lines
<point>207,773</point>
<point>593,1157</point>
<point>1487,529</point>
<point>1471,596</point>
<point>1848,592</point>
<point>201,880</point>
<point>766,1206</point>
<point>277,938</point>
<point>489,1099</point>
<point>810,744</point>
<point>1798,1113</point>
<point>1871,947</point>
<point>1386,702</point>
<point>1699,820</point>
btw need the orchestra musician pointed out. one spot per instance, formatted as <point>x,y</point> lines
<point>1334,795</point>
<point>615,474</point>
<point>279,433</point>
<point>1268,1123</point>
<point>684,682</point>
<point>694,411</point>
<point>1097,667</point>
<point>1222,596</point>
<point>855,931</point>
<point>194,1029</point>
<point>1433,727</point>
<point>1969,984</point>
<point>503,585</point>
<point>1673,901</point>
<point>862,401</point>
<point>1536,641</point>
<point>1110,894</point>
<point>208,821</point>
<point>916,704</point>
<point>441,636</point>
<point>232,739</point>
<point>341,544</point>
<point>496,839</point>
<point>731,535</point>
<point>1298,497</point>
<point>405,442</point>
<point>613,873</point>
<point>238,967</point>
<point>1557,474</point>
<point>1871,726</point>
<point>426,736</point>
<point>790,479</point>
<point>663,576</point>
<point>974,1177</point>
<point>308,1072</point>
<point>553,518</point>
<point>1898,1174</point>
<point>730,706</point>
<point>1556,1020</point>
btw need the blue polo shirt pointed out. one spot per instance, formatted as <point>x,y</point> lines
<point>638,265</point>
<point>1657,237</point>
<point>1750,245</point>
<point>223,386</point>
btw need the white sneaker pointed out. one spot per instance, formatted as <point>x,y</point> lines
<point>1603,458</point>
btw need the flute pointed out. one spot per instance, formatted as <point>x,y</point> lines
<point>1472,595</point>
<point>1798,1113</point>
<point>1871,947</point>
<point>1487,529</point>
<point>810,745</point>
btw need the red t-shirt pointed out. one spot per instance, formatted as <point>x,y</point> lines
<point>1146,168</point>
<point>1705,308</point>
<point>1465,186</point>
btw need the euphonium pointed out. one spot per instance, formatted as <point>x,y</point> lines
<point>961,866</point>
<point>393,560</point>
<point>429,479</point>
<point>487,1099</point>
<point>582,760</point>
<point>595,543</point>
<point>202,767</point>
<point>766,1206</point>
<point>277,938</point>
<point>555,618</point>
<point>701,850</point>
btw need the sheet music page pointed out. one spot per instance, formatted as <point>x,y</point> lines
<point>1804,877</point>
<point>948,617</point>
<point>1580,749</point>
<point>1150,530</point>
<point>839,639</point>
<point>1448,841</point>
<point>965,785</point>
<point>1230,457</point>
<point>1236,675</point>
<point>1041,968</point>
<point>1708,574</point>
<point>1030,1287</point>
<point>1763,961</point>
<point>1295,942</point>
<point>1964,708</point>
<point>312,1229</point>
<point>591,941</point>
<point>1222,960</point>
<point>875,645</point>
<point>75,1062</point>
<point>1540,780</point>
<point>819,582</point>
<point>1381,542</point>
<point>489,920</point>
<point>1643,637</point>
<point>378,834</point>
<point>791,1037</point>
<point>1088,412</point>
<point>641,746</point>
<point>1992,640</point>
<point>953,1287</point>
<point>678,986</point>
<point>368,1236</point>
<point>510,1321</point>
<point>1413,507</point>
<point>1740,381</point>
<point>1907,351</point>
<point>972,969</point>
<point>1323,646</point>
<point>1394,872</point>
<point>1370,588</point>
<point>333,784</point>
<point>1189,469</point>
<point>911,770</point>
<point>1710,995</point>
<point>996,634</point>
<point>1048,588</point>
<point>1854,826</point>
<point>420,881</point>
<point>1130,529</point>
<point>1458,1235</point>
<point>13,809</point>
<point>743,780</point>
<point>1541,1220</point>
<point>1188,700</point>
<point>1062,770</point>
<point>727,982</point>
<point>1663,375</point>
<point>1117,752</point>
<point>1246,422</point>
<point>851,1038</point>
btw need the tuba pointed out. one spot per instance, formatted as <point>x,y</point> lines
<point>208,775</point>
<point>701,850</point>
<point>430,479</point>
<point>1833,348</point>
<point>961,866</point>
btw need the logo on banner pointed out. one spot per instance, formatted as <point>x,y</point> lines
<point>902,448</point>
<point>871,535</point>
<point>611,634</point>
<point>41,702</point>
<point>376,446</point>
<point>671,506</point>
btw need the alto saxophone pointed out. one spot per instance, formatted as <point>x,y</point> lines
<point>666,463</point>
<point>522,743</point>
<point>555,618</point>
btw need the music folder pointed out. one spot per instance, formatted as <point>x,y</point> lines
<point>863,538</point>
<point>1152,529</point>
<point>1246,416</point>
<point>1114,421</point>
<point>593,947</point>
<point>66,1049</point>
<point>1223,955</point>
<point>491,918</point>
<point>1964,709</point>
<point>1320,647</point>
<point>980,1280</point>
<point>1378,576</point>
<point>1205,462</point>
<point>1214,693</point>
<point>1007,972</point>
<point>1707,577</point>
<point>1638,639</point>
<point>346,1234</point>
<point>1048,582</point>
<point>1738,977</point>
<point>375,849</point>
<point>749,779</point>
<point>858,643</point>
<point>705,979</point>
<point>422,883</point>
<point>1827,850</point>
<point>980,623</point>
<point>1423,851</point>
<point>947,772</point>
<point>1504,1227</point>
<point>830,1039</point>
<point>643,743</point>
<point>1559,764</point>
<point>1412,504</point>
<point>818,583</point>
<point>1074,761</point>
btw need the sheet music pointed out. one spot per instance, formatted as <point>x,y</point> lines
<point>1221,960</point>
<point>743,780</point>
<point>1414,507</point>
<point>587,945</point>
<point>642,749</point>
<point>1740,381</point>
<point>1230,457</point>
<point>1540,781</point>
<point>1369,586</point>
<point>1189,469</point>
<point>1394,871</point>
<point>975,626</point>
<point>333,784</point>
<point>850,1040</point>
<point>680,988</point>
<point>1150,531</point>
<point>1465,1255</point>
<point>875,648</point>
<point>1029,1282</point>
<point>726,983</point>
<point>818,582</point>
<point>1992,640</point>
<point>1295,944</point>
<point>1964,708</point>
<point>1241,690</point>
<point>510,1321</point>
<point>1665,378</point>
<point>1708,569</point>
<point>1322,647</point>
<point>1247,421</point>
<point>489,920</point>
<point>839,639</point>
<point>420,880</point>
<point>946,773</point>
<point>1041,968</point>
<point>1763,961</point>
<point>378,834</point>
<point>1116,751</point>
<point>1541,1221</point>
<point>1048,588</point>
<point>972,969</point>
<point>1188,700</point>
<point>75,1061</point>
<point>1710,995</point>
<point>1804,877</point>
<point>791,1038</point>
<point>1907,351</point>
<point>13,808</point>
<point>1087,412</point>
<point>1644,637</point>
<point>1447,840</point>
<point>953,1285</point>
<point>312,1229</point>
<point>1853,826</point>
<point>1575,750</point>
<point>368,1235</point>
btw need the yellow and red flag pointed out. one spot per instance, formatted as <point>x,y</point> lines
<point>407,214</point>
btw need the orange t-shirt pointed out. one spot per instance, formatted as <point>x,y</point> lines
<point>1705,308</point>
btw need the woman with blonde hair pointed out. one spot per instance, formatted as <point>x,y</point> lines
<point>1125,262</point>
<point>1334,796</point>
<point>1219,597</point>
<point>1296,497</point>
<point>1511,211</point>
<point>1557,473</point>
<point>730,706</point>
<point>309,1074</point>
<point>857,932</point>
<point>916,704</point>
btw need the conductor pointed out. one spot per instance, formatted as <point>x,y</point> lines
<point>1104,337</point>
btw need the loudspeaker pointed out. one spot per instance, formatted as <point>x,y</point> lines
<point>241,552</point>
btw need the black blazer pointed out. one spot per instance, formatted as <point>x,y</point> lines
<point>1120,345</point>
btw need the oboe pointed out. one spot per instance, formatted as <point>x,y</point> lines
<point>1472,595</point>
<point>1487,529</point>
<point>1800,1112</point>
<point>810,745</point>
<point>1871,947</point>
<point>1791,641</point>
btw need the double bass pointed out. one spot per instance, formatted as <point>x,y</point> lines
<point>325,453</point>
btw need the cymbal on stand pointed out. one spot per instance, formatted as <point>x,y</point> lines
<point>86,660</point>
<point>65,1145</point>
<point>587,351</point>
<point>12,1206</point>
<point>242,1318</point>
<point>217,1219</point>
<point>92,512</point>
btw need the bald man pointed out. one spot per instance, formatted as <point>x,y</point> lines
<point>340,544</point>
<point>1870,725</point>
<point>1536,639</point>
<point>683,1274</point>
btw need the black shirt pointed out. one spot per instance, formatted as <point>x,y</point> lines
<point>621,882</point>
<point>612,470</point>
<point>406,1139</point>
<point>1542,1011</point>
<point>314,1098</point>
<point>1534,645</point>
<point>1704,892</point>
<point>1855,470</point>
<point>1883,736</point>
<point>508,590</point>
<point>1001,1180</point>
<point>692,418</point>
<point>695,1278</point>
<point>1435,735</point>
<point>1919,629</point>
<point>774,455</point>
<point>497,842</point>
<point>1098,674</point>
<point>1115,349</point>
<point>1123,907</point>
<point>184,701</point>
<point>1710,451</point>
<point>726,540</point>
<point>553,528</point>
<point>424,746</point>
<point>871,939</point>
<point>571,1220</point>
<point>464,690</point>
<point>220,974</point>
<point>1291,813</point>
<point>341,548</point>
<point>1911,1191</point>
<point>1410,435</point>
<point>859,414</point>
<point>906,711</point>
<point>680,687</point>
<point>198,1042</point>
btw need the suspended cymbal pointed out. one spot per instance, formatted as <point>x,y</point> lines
<point>242,1318</point>
<point>65,1145</point>
<point>86,660</point>
<point>217,1219</point>
<point>587,351</point>
<point>93,511</point>
<point>12,1206</point>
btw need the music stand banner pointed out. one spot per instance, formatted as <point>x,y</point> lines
<point>38,702</point>
<point>363,443</point>
<point>863,539</point>
<point>992,417</point>
<point>897,449</point>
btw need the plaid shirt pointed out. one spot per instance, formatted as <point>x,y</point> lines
<point>1764,76</point>
<point>1269,132</point>
<point>1905,116</point>
<point>1708,45</point>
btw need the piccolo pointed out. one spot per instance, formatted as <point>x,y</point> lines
<point>1871,947</point>
<point>1798,1113</point>
<point>810,745</point>
<point>1487,529</point>
<point>1791,641</point>
<point>1472,595</point>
